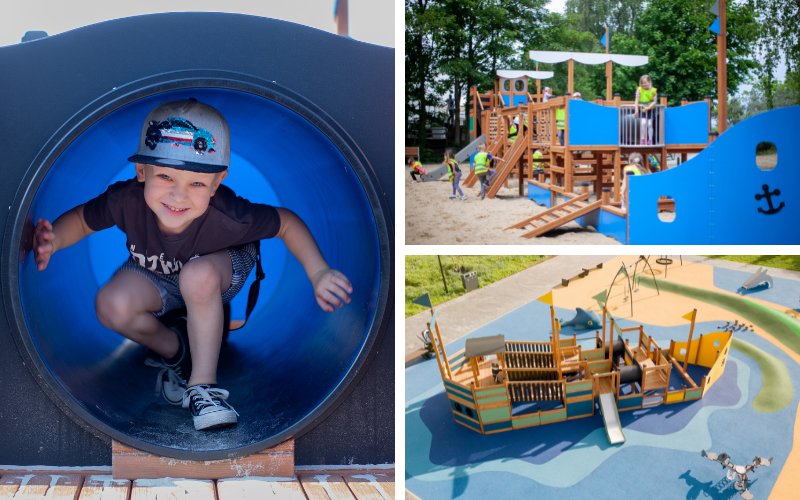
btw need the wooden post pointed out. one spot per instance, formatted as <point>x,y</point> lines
<point>341,15</point>
<point>434,340</point>
<point>689,342</point>
<point>445,362</point>
<point>609,71</point>
<point>722,69</point>
<point>570,75</point>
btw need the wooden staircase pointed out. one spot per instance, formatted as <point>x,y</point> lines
<point>507,165</point>
<point>558,215</point>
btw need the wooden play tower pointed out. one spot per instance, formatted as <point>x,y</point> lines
<point>582,174</point>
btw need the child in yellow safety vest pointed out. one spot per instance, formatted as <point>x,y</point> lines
<point>635,166</point>
<point>513,131</point>
<point>644,106</point>
<point>482,169</point>
<point>454,174</point>
<point>416,169</point>
<point>560,122</point>
<point>536,163</point>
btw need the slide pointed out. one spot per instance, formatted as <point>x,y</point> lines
<point>462,156</point>
<point>608,407</point>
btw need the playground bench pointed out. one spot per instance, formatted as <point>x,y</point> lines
<point>412,151</point>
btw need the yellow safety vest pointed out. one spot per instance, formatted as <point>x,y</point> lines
<point>560,119</point>
<point>417,166</point>
<point>512,134</point>
<point>633,169</point>
<point>646,96</point>
<point>452,167</point>
<point>481,163</point>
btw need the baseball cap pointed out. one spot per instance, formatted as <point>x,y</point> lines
<point>186,135</point>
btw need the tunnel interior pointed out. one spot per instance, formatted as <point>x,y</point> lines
<point>291,361</point>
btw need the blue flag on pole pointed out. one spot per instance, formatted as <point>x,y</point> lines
<point>715,26</point>
<point>603,41</point>
<point>424,300</point>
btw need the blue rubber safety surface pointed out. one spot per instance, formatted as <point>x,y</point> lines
<point>660,458</point>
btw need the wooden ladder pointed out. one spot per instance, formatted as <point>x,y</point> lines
<point>558,215</point>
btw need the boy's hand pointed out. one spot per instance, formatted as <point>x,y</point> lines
<point>332,289</point>
<point>43,244</point>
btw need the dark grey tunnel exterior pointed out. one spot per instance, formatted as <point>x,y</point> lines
<point>57,88</point>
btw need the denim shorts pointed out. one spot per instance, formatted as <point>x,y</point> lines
<point>243,258</point>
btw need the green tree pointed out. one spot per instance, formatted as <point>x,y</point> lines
<point>778,39</point>
<point>592,15</point>
<point>420,61</point>
<point>675,35</point>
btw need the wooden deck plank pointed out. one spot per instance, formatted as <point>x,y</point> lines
<point>190,489</point>
<point>105,487</point>
<point>54,486</point>
<point>371,486</point>
<point>257,488</point>
<point>325,487</point>
<point>9,484</point>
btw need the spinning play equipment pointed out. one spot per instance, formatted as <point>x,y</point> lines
<point>294,143</point>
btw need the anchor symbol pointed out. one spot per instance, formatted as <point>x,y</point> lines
<point>768,195</point>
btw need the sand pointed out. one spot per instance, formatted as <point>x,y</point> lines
<point>434,219</point>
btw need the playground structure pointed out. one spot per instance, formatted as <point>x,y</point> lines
<point>581,179</point>
<point>759,280</point>
<point>584,174</point>
<point>496,385</point>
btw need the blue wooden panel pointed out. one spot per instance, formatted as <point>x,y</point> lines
<point>612,225</point>
<point>580,408</point>
<point>469,423</point>
<point>592,124</point>
<point>716,192</point>
<point>497,426</point>
<point>539,195</point>
<point>686,124</point>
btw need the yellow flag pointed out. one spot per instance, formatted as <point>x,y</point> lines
<point>547,298</point>
<point>688,315</point>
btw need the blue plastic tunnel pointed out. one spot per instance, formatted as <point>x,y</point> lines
<point>291,361</point>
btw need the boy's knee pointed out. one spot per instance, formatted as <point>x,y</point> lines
<point>113,308</point>
<point>200,281</point>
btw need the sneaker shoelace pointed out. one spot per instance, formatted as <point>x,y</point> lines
<point>202,397</point>
<point>173,374</point>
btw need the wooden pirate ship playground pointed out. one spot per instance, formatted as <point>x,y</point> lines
<point>495,385</point>
<point>714,192</point>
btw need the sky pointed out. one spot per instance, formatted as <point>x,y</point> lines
<point>371,21</point>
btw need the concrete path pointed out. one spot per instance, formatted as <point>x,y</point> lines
<point>479,307</point>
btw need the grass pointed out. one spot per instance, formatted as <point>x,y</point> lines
<point>790,262</point>
<point>423,274</point>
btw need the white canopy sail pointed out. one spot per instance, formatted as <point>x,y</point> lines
<point>549,56</point>
<point>513,73</point>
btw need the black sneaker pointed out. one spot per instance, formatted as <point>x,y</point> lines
<point>171,379</point>
<point>209,407</point>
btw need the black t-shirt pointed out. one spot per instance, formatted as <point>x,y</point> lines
<point>229,221</point>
